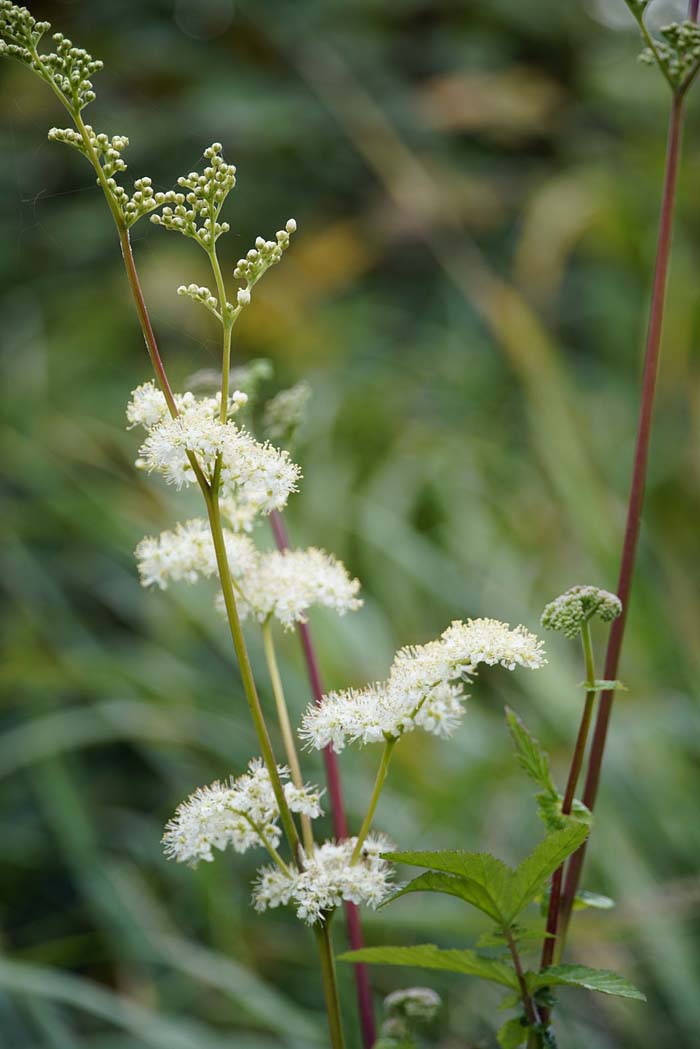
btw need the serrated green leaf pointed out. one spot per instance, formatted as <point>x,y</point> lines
<point>464,888</point>
<point>428,956</point>
<point>512,1034</point>
<point>531,757</point>
<point>488,883</point>
<point>582,976</point>
<point>486,878</point>
<point>530,876</point>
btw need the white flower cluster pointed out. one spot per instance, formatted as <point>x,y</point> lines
<point>242,812</point>
<point>286,584</point>
<point>187,552</point>
<point>281,584</point>
<point>195,212</point>
<point>568,612</point>
<point>424,688</point>
<point>255,475</point>
<point>328,878</point>
<point>68,68</point>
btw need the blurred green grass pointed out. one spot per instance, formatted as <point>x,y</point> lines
<point>476,187</point>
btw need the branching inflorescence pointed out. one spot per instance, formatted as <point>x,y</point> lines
<point>193,440</point>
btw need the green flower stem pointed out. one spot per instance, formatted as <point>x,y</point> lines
<point>286,728</point>
<point>228,319</point>
<point>322,931</point>
<point>274,854</point>
<point>378,784</point>
<point>247,674</point>
<point>551,947</point>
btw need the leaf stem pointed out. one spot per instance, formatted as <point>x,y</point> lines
<point>378,784</point>
<point>527,1000</point>
<point>549,947</point>
<point>322,931</point>
<point>636,497</point>
<point>286,728</point>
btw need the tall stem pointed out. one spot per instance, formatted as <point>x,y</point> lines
<point>550,943</point>
<point>286,728</point>
<point>636,497</point>
<point>247,673</point>
<point>353,921</point>
<point>378,784</point>
<point>330,985</point>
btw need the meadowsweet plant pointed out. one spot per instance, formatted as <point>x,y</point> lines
<point>207,442</point>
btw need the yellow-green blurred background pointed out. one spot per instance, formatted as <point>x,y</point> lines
<point>476,185</point>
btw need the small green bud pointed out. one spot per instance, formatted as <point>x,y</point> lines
<point>568,612</point>
<point>285,413</point>
<point>417,1004</point>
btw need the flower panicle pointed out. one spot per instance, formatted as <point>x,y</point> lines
<point>327,878</point>
<point>425,687</point>
<point>241,812</point>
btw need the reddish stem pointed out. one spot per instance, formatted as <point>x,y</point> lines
<point>636,498</point>
<point>567,805</point>
<point>337,806</point>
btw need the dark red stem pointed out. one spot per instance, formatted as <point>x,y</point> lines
<point>337,806</point>
<point>636,498</point>
<point>567,805</point>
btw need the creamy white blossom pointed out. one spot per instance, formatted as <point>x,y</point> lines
<point>327,879</point>
<point>257,476</point>
<point>241,812</point>
<point>187,552</point>
<point>286,584</point>
<point>425,687</point>
<point>269,583</point>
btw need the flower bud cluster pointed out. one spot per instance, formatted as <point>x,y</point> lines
<point>327,878</point>
<point>20,32</point>
<point>195,212</point>
<point>199,293</point>
<point>678,52</point>
<point>242,812</point>
<point>424,688</point>
<point>109,154</point>
<point>284,413</point>
<point>568,612</point>
<point>68,68</point>
<point>266,253</point>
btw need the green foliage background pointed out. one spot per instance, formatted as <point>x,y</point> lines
<point>476,186</point>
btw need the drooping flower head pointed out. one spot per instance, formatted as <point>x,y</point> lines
<point>241,812</point>
<point>327,879</point>
<point>568,612</point>
<point>425,687</point>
